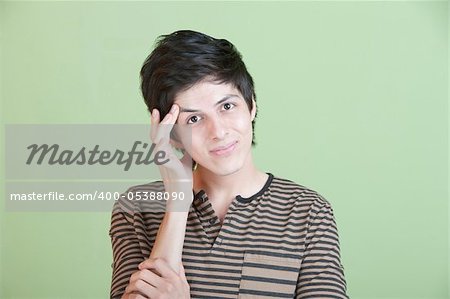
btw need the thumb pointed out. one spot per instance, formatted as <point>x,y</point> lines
<point>182,273</point>
<point>186,159</point>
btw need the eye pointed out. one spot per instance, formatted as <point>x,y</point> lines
<point>193,119</point>
<point>228,106</point>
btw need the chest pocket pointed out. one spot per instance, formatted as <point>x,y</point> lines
<point>268,276</point>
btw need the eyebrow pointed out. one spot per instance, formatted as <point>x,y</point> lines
<point>225,98</point>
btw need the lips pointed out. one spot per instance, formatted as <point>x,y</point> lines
<point>223,150</point>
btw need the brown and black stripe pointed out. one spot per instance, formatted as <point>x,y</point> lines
<point>280,243</point>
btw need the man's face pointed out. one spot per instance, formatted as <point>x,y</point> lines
<point>221,125</point>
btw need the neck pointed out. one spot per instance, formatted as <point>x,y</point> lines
<point>224,188</point>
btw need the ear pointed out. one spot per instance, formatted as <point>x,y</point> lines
<point>253,112</point>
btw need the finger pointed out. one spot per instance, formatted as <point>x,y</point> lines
<point>172,116</point>
<point>140,287</point>
<point>146,264</point>
<point>171,160</point>
<point>166,125</point>
<point>186,160</point>
<point>154,124</point>
<point>175,143</point>
<point>182,273</point>
<point>164,175</point>
<point>134,296</point>
<point>188,164</point>
<point>164,269</point>
<point>183,277</point>
<point>163,131</point>
<point>184,137</point>
<point>161,266</point>
<point>146,276</point>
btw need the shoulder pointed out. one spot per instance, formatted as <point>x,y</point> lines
<point>291,193</point>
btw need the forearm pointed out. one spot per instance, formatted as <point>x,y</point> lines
<point>170,239</point>
<point>177,177</point>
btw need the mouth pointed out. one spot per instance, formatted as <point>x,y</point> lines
<point>223,150</point>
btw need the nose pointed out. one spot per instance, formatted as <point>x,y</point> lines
<point>218,129</point>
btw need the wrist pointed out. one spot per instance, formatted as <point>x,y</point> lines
<point>179,201</point>
<point>175,217</point>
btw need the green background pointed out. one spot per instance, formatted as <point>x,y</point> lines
<point>352,103</point>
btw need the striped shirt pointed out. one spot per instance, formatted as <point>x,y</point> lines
<point>280,243</point>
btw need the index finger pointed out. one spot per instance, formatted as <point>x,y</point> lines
<point>160,265</point>
<point>166,125</point>
<point>154,123</point>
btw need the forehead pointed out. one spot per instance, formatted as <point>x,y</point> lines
<point>205,91</point>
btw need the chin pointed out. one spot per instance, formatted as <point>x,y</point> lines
<point>226,172</point>
<point>226,165</point>
<point>227,168</point>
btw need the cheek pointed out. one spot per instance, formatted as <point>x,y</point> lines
<point>243,124</point>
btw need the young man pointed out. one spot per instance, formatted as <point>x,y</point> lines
<point>245,233</point>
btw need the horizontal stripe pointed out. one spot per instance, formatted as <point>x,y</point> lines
<point>283,243</point>
<point>266,279</point>
<point>265,293</point>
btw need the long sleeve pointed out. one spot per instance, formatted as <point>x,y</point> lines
<point>134,225</point>
<point>321,273</point>
<point>127,253</point>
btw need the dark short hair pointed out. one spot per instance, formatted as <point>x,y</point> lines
<point>182,59</point>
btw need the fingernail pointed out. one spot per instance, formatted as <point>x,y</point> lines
<point>172,110</point>
<point>153,112</point>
